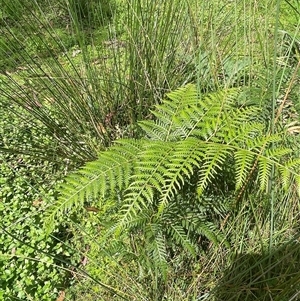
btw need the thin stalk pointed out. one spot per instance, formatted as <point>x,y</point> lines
<point>271,186</point>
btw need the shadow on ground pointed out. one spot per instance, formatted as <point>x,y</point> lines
<point>269,277</point>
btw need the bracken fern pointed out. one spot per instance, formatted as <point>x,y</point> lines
<point>157,183</point>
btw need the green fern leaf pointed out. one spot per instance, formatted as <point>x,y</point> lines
<point>215,156</point>
<point>264,167</point>
<point>289,171</point>
<point>185,150</point>
<point>110,172</point>
<point>186,156</point>
<point>157,248</point>
<point>244,162</point>
<point>178,234</point>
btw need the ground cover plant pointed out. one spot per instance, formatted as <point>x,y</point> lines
<point>27,270</point>
<point>190,196</point>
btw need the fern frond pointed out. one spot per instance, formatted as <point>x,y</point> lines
<point>147,180</point>
<point>244,162</point>
<point>289,171</point>
<point>261,142</point>
<point>185,114</point>
<point>157,247</point>
<point>165,127</point>
<point>110,173</point>
<point>264,171</point>
<point>215,156</point>
<point>187,149</point>
<point>179,236</point>
<point>208,230</point>
<point>186,156</point>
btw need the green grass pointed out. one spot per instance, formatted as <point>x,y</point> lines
<point>82,73</point>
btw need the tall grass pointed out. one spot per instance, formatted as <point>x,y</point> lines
<point>88,70</point>
<point>119,72</point>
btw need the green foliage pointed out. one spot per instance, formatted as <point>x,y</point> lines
<point>157,186</point>
<point>188,133</point>
<point>250,275</point>
<point>90,13</point>
<point>65,69</point>
<point>200,172</point>
<point>30,262</point>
